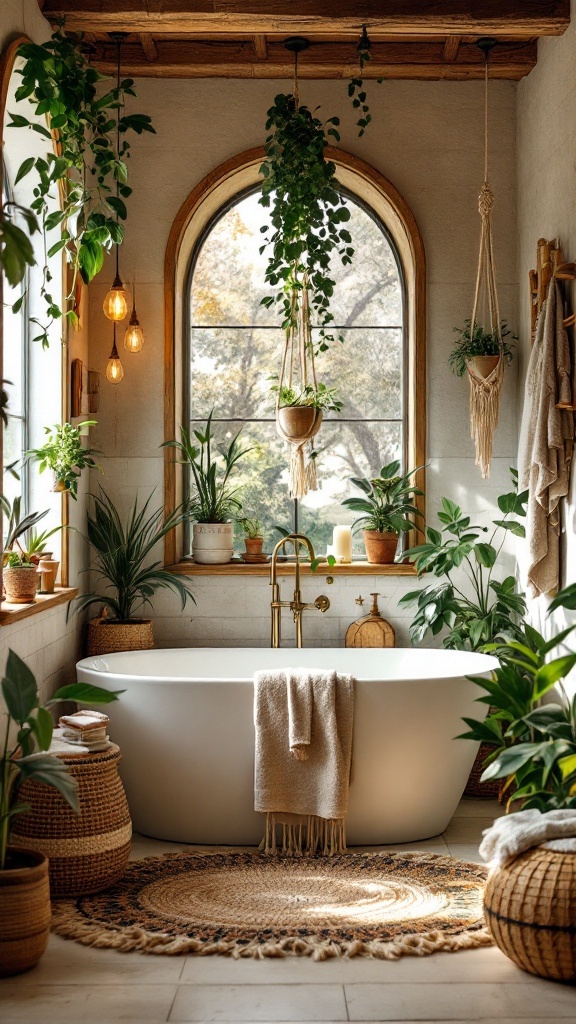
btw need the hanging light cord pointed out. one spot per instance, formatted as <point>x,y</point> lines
<point>295,86</point>
<point>118,45</point>
<point>486,61</point>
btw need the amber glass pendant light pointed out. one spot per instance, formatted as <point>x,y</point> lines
<point>134,337</point>
<point>114,368</point>
<point>115,305</point>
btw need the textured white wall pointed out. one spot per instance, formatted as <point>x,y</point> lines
<point>427,139</point>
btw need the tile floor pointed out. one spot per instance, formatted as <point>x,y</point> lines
<point>73,983</point>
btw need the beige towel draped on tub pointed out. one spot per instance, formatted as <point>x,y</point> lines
<point>303,754</point>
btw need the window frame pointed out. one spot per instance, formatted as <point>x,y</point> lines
<point>221,189</point>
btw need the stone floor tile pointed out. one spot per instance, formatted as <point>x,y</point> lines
<point>57,1004</point>
<point>460,1002</point>
<point>257,1003</point>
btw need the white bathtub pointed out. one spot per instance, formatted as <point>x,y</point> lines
<point>185,727</point>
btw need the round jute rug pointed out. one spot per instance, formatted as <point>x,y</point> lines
<point>249,905</point>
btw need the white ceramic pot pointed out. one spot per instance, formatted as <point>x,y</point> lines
<point>213,543</point>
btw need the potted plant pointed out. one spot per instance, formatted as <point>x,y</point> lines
<point>24,891</point>
<point>123,553</point>
<point>494,609</point>
<point>300,410</point>
<point>35,544</point>
<point>253,538</point>
<point>213,503</point>
<point>482,347</point>
<point>387,511</point>
<point>65,455</point>
<point>19,574</point>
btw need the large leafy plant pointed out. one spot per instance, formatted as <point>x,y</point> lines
<point>87,169</point>
<point>534,743</point>
<point>387,503</point>
<point>21,754</point>
<point>16,250</point>
<point>64,454</point>
<point>124,553</point>
<point>493,607</point>
<point>213,500</point>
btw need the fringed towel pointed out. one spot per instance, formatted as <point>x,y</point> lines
<point>546,440</point>
<point>510,835</point>
<point>303,726</point>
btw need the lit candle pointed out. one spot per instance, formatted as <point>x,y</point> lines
<point>342,541</point>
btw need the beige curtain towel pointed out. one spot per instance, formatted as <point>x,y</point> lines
<point>303,755</point>
<point>546,441</point>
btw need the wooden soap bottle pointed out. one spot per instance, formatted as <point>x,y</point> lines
<point>371,630</point>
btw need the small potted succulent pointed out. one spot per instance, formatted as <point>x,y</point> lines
<point>300,410</point>
<point>213,504</point>
<point>480,347</point>
<point>253,538</point>
<point>19,573</point>
<point>387,511</point>
<point>64,454</point>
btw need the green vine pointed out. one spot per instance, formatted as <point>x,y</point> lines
<point>356,89</point>
<point>86,170</point>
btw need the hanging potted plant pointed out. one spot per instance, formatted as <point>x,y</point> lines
<point>19,573</point>
<point>64,454</point>
<point>24,889</point>
<point>300,411</point>
<point>387,511</point>
<point>213,504</point>
<point>483,349</point>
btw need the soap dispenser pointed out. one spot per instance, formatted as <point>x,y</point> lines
<point>371,630</point>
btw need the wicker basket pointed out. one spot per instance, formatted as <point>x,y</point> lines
<point>530,907</point>
<point>482,790</point>
<point>20,584</point>
<point>24,911</point>
<point>88,852</point>
<point>105,637</point>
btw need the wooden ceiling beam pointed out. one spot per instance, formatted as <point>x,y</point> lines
<point>261,47</point>
<point>149,47</point>
<point>189,59</point>
<point>451,47</point>
<point>521,18</point>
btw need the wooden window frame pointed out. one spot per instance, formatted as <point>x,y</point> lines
<point>219,187</point>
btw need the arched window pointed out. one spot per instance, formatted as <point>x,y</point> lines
<point>223,345</point>
<point>15,373</point>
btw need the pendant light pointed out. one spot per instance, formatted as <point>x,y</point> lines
<point>115,305</point>
<point>114,368</point>
<point>134,337</point>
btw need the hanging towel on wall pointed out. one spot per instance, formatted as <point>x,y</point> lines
<point>303,754</point>
<point>546,441</point>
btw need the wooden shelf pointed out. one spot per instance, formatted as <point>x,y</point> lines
<point>10,613</point>
<point>189,568</point>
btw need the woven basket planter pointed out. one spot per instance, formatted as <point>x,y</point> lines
<point>482,790</point>
<point>20,584</point>
<point>88,852</point>
<point>105,637</point>
<point>530,907</point>
<point>24,911</point>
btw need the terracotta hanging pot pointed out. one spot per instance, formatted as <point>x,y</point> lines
<point>485,365</point>
<point>299,421</point>
<point>380,547</point>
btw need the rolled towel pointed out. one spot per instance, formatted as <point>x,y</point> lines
<point>510,835</point>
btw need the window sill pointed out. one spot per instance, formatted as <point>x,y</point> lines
<point>10,613</point>
<point>287,569</point>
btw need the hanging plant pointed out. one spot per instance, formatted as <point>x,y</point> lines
<point>356,90</point>
<point>86,169</point>
<point>482,345</point>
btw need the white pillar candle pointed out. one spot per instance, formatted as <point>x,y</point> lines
<point>342,541</point>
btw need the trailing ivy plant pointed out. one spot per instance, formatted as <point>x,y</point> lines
<point>308,213</point>
<point>85,169</point>
<point>356,90</point>
<point>16,250</point>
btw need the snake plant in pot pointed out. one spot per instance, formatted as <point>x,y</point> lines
<point>388,510</point>
<point>19,572</point>
<point>24,891</point>
<point>124,563</point>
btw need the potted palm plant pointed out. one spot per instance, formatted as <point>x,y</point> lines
<point>64,454</point>
<point>19,573</point>
<point>24,891</point>
<point>387,511</point>
<point>123,563</point>
<point>481,347</point>
<point>213,504</point>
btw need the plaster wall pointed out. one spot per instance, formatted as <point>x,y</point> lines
<point>427,138</point>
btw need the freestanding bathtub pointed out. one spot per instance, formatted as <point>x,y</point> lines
<point>185,727</point>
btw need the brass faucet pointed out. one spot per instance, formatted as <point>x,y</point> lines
<point>296,605</point>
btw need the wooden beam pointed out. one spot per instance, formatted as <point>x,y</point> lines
<point>451,47</point>
<point>190,59</point>
<point>148,45</point>
<point>261,47</point>
<point>520,18</point>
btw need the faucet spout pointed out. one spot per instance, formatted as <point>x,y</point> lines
<point>296,605</point>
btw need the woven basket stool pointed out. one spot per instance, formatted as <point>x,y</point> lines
<point>87,852</point>
<point>530,907</point>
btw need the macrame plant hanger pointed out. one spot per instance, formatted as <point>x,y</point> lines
<point>485,390</point>
<point>298,425</point>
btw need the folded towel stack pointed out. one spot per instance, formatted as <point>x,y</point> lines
<point>86,729</point>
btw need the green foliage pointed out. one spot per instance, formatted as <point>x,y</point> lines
<point>36,542</point>
<point>308,216</point>
<point>17,524</point>
<point>16,251</point>
<point>88,170</point>
<point>14,560</point>
<point>4,400</point>
<point>356,90</point>
<point>534,744</point>
<point>65,455</point>
<point>19,757</point>
<point>495,607</point>
<point>387,502</point>
<point>252,527</point>
<point>316,397</point>
<point>213,501</point>
<point>123,554</point>
<point>482,343</point>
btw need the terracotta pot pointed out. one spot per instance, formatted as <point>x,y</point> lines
<point>380,547</point>
<point>299,421</point>
<point>253,545</point>
<point>104,636</point>
<point>48,571</point>
<point>24,910</point>
<point>60,486</point>
<point>484,365</point>
<point>212,543</point>
<point>20,583</point>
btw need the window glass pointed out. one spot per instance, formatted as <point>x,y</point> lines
<point>14,374</point>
